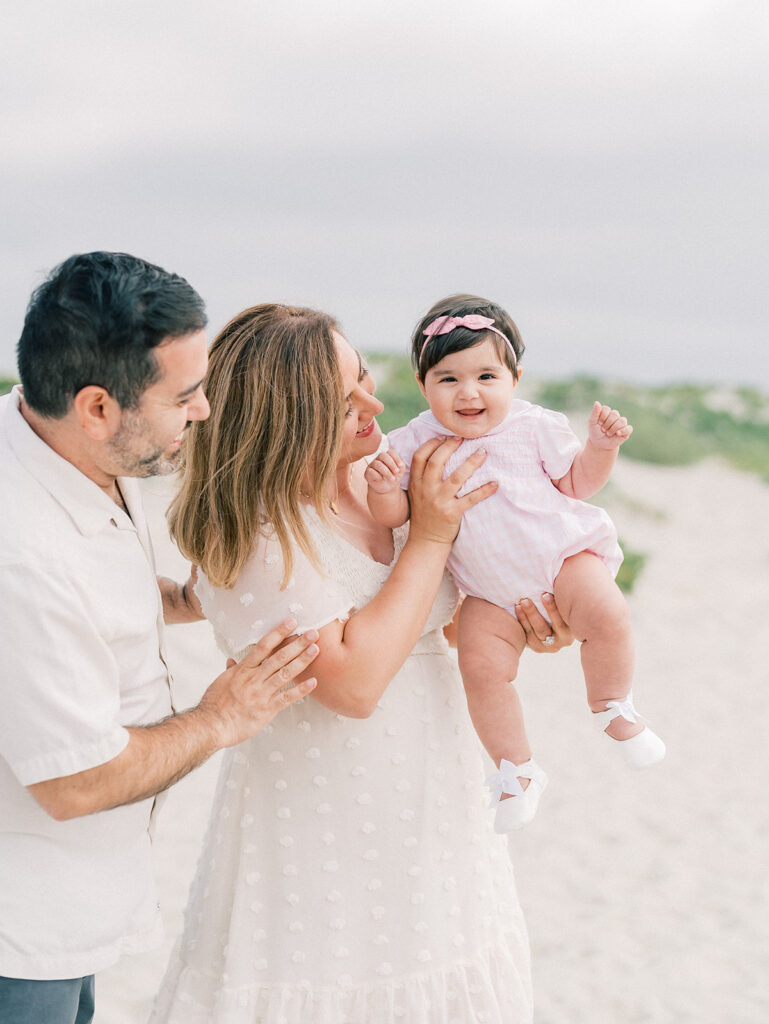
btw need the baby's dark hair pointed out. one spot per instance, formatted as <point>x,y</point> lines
<point>425,356</point>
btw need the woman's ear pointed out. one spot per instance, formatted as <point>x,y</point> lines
<point>97,412</point>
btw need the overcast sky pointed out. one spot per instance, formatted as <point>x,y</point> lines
<point>599,168</point>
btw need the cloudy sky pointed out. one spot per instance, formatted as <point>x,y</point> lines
<point>599,168</point>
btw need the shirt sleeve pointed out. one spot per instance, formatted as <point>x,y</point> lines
<point>256,604</point>
<point>557,442</point>
<point>60,684</point>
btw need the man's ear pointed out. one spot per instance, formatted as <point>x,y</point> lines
<point>97,412</point>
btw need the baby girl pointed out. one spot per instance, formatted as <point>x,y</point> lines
<point>535,534</point>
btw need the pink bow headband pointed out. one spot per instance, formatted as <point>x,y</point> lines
<point>473,322</point>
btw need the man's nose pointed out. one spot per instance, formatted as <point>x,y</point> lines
<point>199,409</point>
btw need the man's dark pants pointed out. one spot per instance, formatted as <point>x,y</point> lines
<point>46,1002</point>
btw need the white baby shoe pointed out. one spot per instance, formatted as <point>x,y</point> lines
<point>639,751</point>
<point>521,805</point>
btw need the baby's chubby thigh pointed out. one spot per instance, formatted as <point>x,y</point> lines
<point>490,642</point>
<point>589,599</point>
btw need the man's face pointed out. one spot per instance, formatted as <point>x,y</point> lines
<point>148,442</point>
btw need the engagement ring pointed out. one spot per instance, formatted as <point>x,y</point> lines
<point>549,640</point>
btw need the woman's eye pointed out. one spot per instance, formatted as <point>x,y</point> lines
<point>348,412</point>
<point>363,374</point>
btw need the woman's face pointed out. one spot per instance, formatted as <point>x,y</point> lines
<point>362,435</point>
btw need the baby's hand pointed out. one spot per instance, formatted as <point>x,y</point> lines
<point>606,429</point>
<point>383,475</point>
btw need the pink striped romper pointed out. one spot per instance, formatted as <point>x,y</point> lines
<point>513,544</point>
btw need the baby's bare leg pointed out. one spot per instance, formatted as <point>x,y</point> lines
<point>593,605</point>
<point>489,645</point>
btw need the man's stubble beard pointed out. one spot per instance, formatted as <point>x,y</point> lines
<point>126,449</point>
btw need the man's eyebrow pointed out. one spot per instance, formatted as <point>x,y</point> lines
<point>189,391</point>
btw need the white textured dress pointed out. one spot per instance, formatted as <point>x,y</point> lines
<point>349,874</point>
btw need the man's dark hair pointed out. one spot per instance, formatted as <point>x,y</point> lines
<point>96,320</point>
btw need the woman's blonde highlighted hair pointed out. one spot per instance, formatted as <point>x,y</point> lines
<point>273,438</point>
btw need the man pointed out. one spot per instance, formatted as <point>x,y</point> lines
<point>111,359</point>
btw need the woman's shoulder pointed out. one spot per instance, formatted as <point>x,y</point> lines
<point>261,597</point>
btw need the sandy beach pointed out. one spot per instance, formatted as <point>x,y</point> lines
<point>646,894</point>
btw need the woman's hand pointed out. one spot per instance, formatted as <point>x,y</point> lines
<point>542,637</point>
<point>436,511</point>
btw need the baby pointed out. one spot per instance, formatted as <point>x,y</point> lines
<point>535,534</point>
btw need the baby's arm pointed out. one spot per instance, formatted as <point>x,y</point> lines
<point>606,431</point>
<point>387,501</point>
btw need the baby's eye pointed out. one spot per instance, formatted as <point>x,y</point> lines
<point>488,376</point>
<point>446,380</point>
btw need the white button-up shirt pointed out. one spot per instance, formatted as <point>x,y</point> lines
<point>81,646</point>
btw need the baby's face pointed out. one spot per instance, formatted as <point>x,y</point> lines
<point>470,392</point>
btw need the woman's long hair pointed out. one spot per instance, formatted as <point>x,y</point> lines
<point>274,437</point>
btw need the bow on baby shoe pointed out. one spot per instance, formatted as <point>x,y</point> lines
<point>616,709</point>
<point>504,781</point>
<point>624,707</point>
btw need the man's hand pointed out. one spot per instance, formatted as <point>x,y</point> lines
<point>239,702</point>
<point>248,695</point>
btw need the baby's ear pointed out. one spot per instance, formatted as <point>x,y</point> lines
<point>520,374</point>
<point>419,382</point>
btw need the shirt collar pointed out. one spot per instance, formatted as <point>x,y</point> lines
<point>90,509</point>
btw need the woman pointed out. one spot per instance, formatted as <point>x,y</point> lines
<point>349,872</point>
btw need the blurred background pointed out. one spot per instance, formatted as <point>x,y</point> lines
<point>599,169</point>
